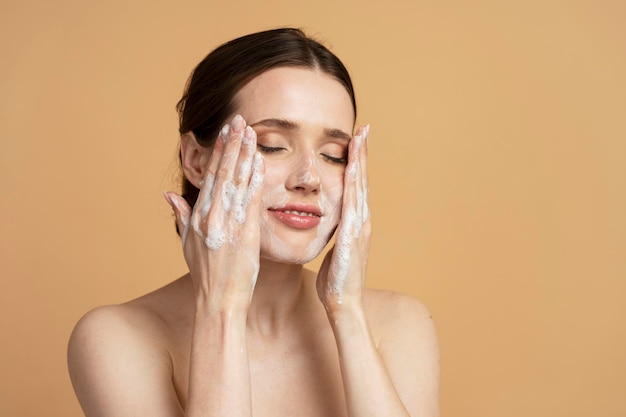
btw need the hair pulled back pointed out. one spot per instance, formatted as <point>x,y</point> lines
<point>208,99</point>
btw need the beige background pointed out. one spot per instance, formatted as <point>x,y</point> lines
<point>498,180</point>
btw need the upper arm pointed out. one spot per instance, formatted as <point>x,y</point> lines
<point>117,371</point>
<point>410,350</point>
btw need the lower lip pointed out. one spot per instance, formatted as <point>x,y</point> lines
<point>296,221</point>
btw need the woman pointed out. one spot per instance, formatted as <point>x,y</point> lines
<point>271,169</point>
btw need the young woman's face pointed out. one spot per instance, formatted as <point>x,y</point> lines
<point>304,120</point>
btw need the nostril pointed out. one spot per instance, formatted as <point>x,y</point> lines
<point>304,176</point>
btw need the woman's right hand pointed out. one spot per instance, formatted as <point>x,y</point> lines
<point>221,235</point>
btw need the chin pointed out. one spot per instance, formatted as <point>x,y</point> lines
<point>291,256</point>
<point>293,251</point>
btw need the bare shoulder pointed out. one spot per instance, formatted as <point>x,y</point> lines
<point>117,354</point>
<point>112,337</point>
<point>112,324</point>
<point>390,312</point>
<point>387,300</point>
<point>404,333</point>
<point>140,320</point>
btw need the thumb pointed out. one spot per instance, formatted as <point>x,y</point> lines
<point>182,211</point>
<point>322,273</point>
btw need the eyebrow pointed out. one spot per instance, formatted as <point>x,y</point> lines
<point>289,125</point>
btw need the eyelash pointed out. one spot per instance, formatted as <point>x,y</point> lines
<point>334,160</point>
<point>268,149</point>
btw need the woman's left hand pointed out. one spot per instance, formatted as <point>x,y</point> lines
<point>341,278</point>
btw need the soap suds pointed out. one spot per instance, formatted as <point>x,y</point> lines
<point>216,237</point>
<point>354,217</point>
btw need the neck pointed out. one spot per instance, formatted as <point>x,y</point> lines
<point>278,296</point>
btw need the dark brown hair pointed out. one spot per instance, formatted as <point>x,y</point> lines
<point>209,95</point>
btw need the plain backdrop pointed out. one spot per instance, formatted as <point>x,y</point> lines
<point>497,172</point>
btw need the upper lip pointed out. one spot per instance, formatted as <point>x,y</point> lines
<point>306,208</point>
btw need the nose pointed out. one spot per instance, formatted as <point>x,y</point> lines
<point>305,175</point>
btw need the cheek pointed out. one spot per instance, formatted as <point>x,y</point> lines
<point>273,191</point>
<point>330,196</point>
<point>331,199</point>
<point>276,172</point>
<point>273,195</point>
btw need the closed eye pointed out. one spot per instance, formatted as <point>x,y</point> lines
<point>268,149</point>
<point>334,159</point>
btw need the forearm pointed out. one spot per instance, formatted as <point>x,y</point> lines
<point>368,387</point>
<point>219,375</point>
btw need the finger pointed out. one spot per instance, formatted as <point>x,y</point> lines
<point>253,193</point>
<point>349,210</point>
<point>258,175</point>
<point>364,180</point>
<point>205,196</point>
<point>358,181</point>
<point>244,163</point>
<point>242,174</point>
<point>224,186</point>
<point>252,202</point>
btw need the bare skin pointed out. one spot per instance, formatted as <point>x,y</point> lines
<point>249,331</point>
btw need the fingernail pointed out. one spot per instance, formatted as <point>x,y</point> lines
<point>238,124</point>
<point>248,135</point>
<point>257,161</point>
<point>176,205</point>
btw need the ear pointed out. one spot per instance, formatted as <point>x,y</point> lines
<point>194,158</point>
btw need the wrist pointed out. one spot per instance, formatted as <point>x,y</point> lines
<point>219,309</point>
<point>350,326</point>
<point>347,309</point>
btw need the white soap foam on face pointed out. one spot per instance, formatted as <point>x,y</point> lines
<point>330,201</point>
<point>304,171</point>
<point>328,198</point>
<point>271,244</point>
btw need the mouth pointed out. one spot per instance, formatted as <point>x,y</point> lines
<point>299,209</point>
<point>298,216</point>
<point>300,213</point>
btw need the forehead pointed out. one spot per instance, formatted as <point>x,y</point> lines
<point>303,95</point>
